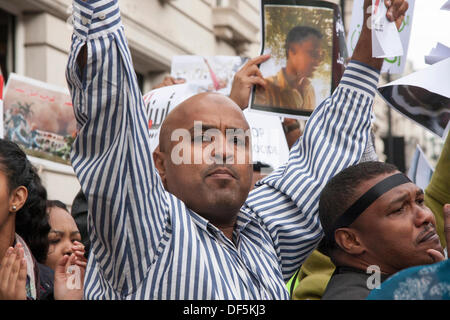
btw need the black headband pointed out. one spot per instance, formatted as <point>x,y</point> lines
<point>357,208</point>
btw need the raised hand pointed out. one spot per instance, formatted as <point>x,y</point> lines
<point>434,254</point>
<point>69,274</point>
<point>13,274</point>
<point>248,76</point>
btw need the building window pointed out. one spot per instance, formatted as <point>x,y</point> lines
<point>7,26</point>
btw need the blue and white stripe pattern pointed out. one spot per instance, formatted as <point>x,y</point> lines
<point>146,244</point>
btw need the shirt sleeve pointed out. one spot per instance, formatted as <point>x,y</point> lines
<point>335,136</point>
<point>111,154</point>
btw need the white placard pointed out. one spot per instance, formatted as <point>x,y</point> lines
<point>269,143</point>
<point>392,65</point>
<point>160,102</point>
<point>385,36</point>
<point>420,170</point>
<point>210,73</point>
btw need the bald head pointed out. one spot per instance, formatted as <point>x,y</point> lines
<point>203,107</point>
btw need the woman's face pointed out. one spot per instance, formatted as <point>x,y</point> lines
<point>62,235</point>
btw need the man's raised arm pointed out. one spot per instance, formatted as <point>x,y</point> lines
<point>334,138</point>
<point>111,154</point>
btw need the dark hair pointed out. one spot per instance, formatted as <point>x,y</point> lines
<point>341,192</point>
<point>31,220</point>
<point>299,34</point>
<point>57,204</point>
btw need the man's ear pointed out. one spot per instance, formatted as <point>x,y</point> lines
<point>349,241</point>
<point>17,199</point>
<point>159,159</point>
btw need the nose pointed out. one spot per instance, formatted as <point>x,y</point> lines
<point>67,249</point>
<point>222,152</point>
<point>423,216</point>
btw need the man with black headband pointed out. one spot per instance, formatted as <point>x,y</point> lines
<point>375,221</point>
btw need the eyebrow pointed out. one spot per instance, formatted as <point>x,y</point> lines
<point>403,197</point>
<point>206,127</point>
<point>62,232</point>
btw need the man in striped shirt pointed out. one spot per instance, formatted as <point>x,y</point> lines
<point>205,239</point>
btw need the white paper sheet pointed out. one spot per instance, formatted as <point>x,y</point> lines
<point>423,96</point>
<point>213,73</point>
<point>392,65</point>
<point>446,6</point>
<point>438,53</point>
<point>420,170</point>
<point>269,143</point>
<point>160,102</point>
<point>385,36</point>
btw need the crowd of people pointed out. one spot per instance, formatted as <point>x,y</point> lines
<point>331,223</point>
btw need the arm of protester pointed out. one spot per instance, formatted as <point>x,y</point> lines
<point>13,274</point>
<point>363,51</point>
<point>292,131</point>
<point>334,138</point>
<point>169,81</point>
<point>128,212</point>
<point>437,193</point>
<point>69,274</point>
<point>248,76</point>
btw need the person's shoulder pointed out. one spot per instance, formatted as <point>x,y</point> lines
<point>46,278</point>
<point>347,286</point>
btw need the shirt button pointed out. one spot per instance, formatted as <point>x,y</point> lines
<point>102,16</point>
<point>84,21</point>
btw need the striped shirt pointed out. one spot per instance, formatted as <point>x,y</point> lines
<point>146,244</point>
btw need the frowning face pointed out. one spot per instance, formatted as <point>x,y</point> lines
<point>398,229</point>
<point>214,175</point>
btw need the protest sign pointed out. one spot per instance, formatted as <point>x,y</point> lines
<point>269,143</point>
<point>39,117</point>
<point>306,41</point>
<point>392,65</point>
<point>423,97</point>
<point>420,170</point>
<point>160,102</point>
<point>209,73</point>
